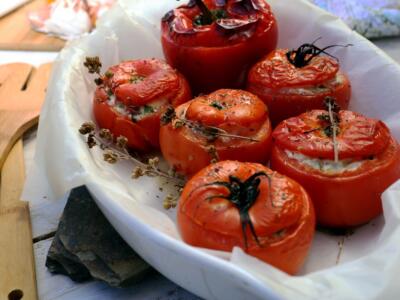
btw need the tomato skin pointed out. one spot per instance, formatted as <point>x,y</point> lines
<point>351,197</point>
<point>285,231</point>
<point>217,59</point>
<point>358,136</point>
<point>188,152</point>
<point>159,81</point>
<point>289,91</point>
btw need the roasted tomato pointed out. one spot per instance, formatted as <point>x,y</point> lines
<point>247,205</point>
<point>346,191</point>
<point>131,97</point>
<point>226,124</point>
<point>296,81</point>
<point>214,43</point>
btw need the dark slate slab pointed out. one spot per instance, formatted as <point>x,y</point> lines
<point>87,246</point>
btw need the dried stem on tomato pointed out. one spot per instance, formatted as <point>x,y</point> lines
<point>93,64</point>
<point>333,121</point>
<point>209,132</point>
<point>332,118</point>
<point>306,52</point>
<point>115,150</point>
<point>206,17</point>
<point>243,194</point>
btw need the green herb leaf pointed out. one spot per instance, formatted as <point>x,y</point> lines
<point>147,109</point>
<point>109,74</point>
<point>217,105</point>
<point>136,78</point>
<point>168,115</point>
<point>98,81</point>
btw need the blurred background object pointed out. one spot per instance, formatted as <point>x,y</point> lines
<point>68,19</point>
<point>370,18</point>
<point>7,6</point>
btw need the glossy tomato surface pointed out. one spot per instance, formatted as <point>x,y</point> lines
<point>219,54</point>
<point>210,214</point>
<point>346,193</point>
<point>191,141</point>
<point>132,96</point>
<point>289,90</point>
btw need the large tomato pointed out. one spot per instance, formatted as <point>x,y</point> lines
<point>291,86</point>
<point>347,192</point>
<point>214,43</point>
<point>131,97</point>
<point>247,205</point>
<point>226,124</point>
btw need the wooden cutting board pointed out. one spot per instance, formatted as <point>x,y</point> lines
<point>22,91</point>
<point>16,33</point>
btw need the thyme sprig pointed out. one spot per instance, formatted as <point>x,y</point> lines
<point>333,120</point>
<point>93,64</point>
<point>115,149</point>
<point>334,127</point>
<point>211,133</point>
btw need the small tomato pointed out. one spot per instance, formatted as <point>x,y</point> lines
<point>132,96</point>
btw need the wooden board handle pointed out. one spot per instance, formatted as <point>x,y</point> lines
<point>18,279</point>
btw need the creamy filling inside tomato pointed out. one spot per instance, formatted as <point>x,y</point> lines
<point>315,89</point>
<point>141,111</point>
<point>326,165</point>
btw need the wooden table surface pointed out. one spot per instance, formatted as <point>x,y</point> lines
<point>45,216</point>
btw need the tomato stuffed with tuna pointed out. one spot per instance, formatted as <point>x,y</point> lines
<point>214,42</point>
<point>343,159</point>
<point>132,95</point>
<point>291,82</point>
<point>235,204</point>
<point>226,124</point>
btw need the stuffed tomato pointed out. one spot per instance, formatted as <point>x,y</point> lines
<point>226,124</point>
<point>214,43</point>
<point>131,96</point>
<point>345,189</point>
<point>291,82</point>
<point>235,204</point>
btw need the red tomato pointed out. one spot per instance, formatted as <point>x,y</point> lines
<point>239,115</point>
<point>132,96</point>
<point>247,205</point>
<point>346,193</point>
<point>218,52</point>
<point>290,90</point>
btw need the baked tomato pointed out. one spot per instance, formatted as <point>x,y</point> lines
<point>214,43</point>
<point>131,97</point>
<point>226,124</point>
<point>346,191</point>
<point>247,205</point>
<point>296,81</point>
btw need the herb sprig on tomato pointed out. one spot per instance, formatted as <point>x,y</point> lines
<point>343,159</point>
<point>226,124</point>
